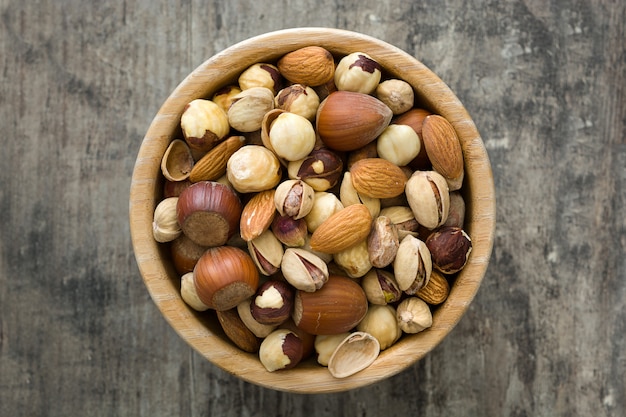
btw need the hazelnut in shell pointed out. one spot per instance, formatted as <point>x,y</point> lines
<point>208,213</point>
<point>225,276</point>
<point>337,307</point>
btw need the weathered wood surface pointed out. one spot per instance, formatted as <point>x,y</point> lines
<point>544,82</point>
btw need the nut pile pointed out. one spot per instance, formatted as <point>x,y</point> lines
<point>316,209</point>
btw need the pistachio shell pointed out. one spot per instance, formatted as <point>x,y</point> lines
<point>355,353</point>
<point>177,161</point>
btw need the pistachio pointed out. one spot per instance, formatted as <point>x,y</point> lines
<point>403,219</point>
<point>321,169</point>
<point>165,227</point>
<point>249,107</point>
<point>456,213</point>
<point>380,287</point>
<point>266,252</point>
<point>429,198</point>
<point>413,315</point>
<point>291,232</point>
<point>304,270</point>
<point>355,353</point>
<point>413,265</point>
<point>294,198</point>
<point>382,242</point>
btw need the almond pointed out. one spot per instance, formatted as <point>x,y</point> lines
<point>257,215</point>
<point>343,229</point>
<point>442,147</point>
<point>311,65</point>
<point>378,178</point>
<point>213,164</point>
<point>436,290</point>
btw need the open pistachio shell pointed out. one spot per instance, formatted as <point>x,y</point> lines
<point>177,161</point>
<point>355,353</point>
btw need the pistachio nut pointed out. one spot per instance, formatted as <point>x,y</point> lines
<point>294,198</point>
<point>291,232</point>
<point>249,107</point>
<point>429,198</point>
<point>266,252</point>
<point>382,242</point>
<point>304,270</point>
<point>404,220</point>
<point>380,287</point>
<point>414,315</point>
<point>413,265</point>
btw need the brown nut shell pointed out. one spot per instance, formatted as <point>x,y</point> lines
<point>450,248</point>
<point>208,213</point>
<point>347,121</point>
<point>225,276</point>
<point>237,331</point>
<point>337,307</point>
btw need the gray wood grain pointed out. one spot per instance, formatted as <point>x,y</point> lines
<point>545,83</point>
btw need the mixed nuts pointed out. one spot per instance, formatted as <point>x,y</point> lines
<point>316,209</point>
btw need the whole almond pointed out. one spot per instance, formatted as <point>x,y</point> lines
<point>343,229</point>
<point>378,178</point>
<point>311,65</point>
<point>442,146</point>
<point>257,215</point>
<point>213,164</point>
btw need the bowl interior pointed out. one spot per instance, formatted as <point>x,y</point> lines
<point>201,331</point>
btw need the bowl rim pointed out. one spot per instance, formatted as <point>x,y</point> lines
<point>219,70</point>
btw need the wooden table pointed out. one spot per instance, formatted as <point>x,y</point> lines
<point>545,82</point>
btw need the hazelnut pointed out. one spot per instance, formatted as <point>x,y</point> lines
<point>357,72</point>
<point>450,248</point>
<point>413,315</point>
<point>208,213</point>
<point>165,227</point>
<point>380,321</point>
<point>354,260</point>
<point>261,75</point>
<point>321,169</point>
<point>272,303</point>
<point>253,168</point>
<point>325,204</point>
<point>203,123</point>
<point>224,96</point>
<point>298,99</point>
<point>397,94</point>
<point>398,144</point>
<point>349,196</point>
<point>291,136</point>
<point>225,276</point>
<point>185,253</point>
<point>325,345</point>
<point>412,265</point>
<point>281,349</point>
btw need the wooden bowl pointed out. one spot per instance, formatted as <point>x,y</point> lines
<point>202,331</point>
